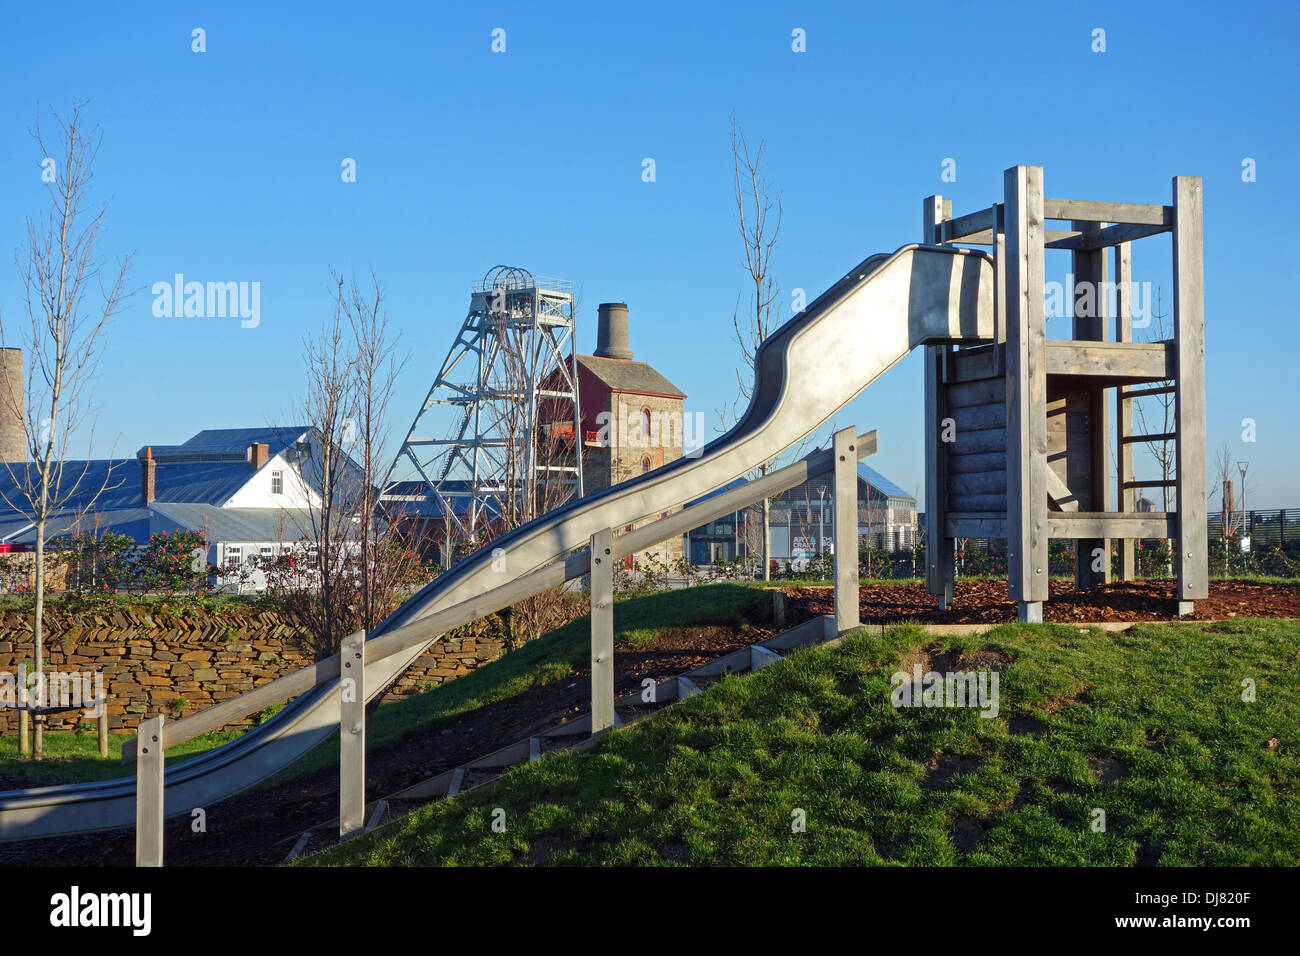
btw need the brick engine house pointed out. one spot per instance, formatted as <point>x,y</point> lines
<point>631,415</point>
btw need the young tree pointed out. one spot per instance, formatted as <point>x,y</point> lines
<point>758,217</point>
<point>327,476</point>
<point>1161,421</point>
<point>1232,502</point>
<point>357,567</point>
<point>375,370</point>
<point>69,303</point>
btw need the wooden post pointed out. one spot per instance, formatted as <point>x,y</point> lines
<point>1124,406</point>
<point>845,448</point>
<point>778,605</point>
<point>1090,272</point>
<point>24,724</point>
<point>1000,288</point>
<point>939,565</point>
<point>1189,397</point>
<point>149,788</point>
<point>602,631</point>
<point>1027,566</point>
<point>352,735</point>
<point>103,726</point>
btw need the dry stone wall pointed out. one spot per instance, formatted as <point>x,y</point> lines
<point>152,661</point>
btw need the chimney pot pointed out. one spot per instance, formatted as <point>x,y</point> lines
<point>611,331</point>
<point>258,452</point>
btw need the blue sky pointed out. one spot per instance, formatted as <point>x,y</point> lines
<point>225,165</point>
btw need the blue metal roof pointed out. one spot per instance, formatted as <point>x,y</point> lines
<point>230,442</point>
<point>880,482</point>
<point>204,472</point>
<point>201,482</point>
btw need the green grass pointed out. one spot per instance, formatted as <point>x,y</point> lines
<point>715,780</point>
<point>554,656</point>
<point>74,757</point>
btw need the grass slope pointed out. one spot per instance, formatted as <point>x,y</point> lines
<point>1148,726</point>
<point>74,757</point>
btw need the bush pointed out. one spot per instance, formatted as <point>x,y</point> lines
<point>172,562</point>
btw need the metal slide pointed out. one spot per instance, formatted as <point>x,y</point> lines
<point>805,372</point>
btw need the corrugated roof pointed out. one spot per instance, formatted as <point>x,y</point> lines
<point>230,442</point>
<point>624,375</point>
<point>205,482</point>
<point>135,522</point>
<point>205,472</point>
<point>240,524</point>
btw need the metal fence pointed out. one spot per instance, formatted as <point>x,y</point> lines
<point>1280,527</point>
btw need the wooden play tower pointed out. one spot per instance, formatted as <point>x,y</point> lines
<point>1018,431</point>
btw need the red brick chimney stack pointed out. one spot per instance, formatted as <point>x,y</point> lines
<point>257,454</point>
<point>148,476</point>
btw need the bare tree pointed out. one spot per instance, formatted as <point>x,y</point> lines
<point>1232,501</point>
<point>758,217</point>
<point>1161,421</point>
<point>328,475</point>
<point>375,370</point>
<point>60,266</point>
<point>877,516</point>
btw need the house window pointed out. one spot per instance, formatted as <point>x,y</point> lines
<point>233,556</point>
<point>277,482</point>
<point>645,425</point>
<point>645,464</point>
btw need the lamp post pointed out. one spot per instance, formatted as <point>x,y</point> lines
<point>1242,466</point>
<point>821,519</point>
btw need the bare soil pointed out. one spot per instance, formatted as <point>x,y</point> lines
<point>986,602</point>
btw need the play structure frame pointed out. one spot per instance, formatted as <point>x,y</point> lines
<point>1017,430</point>
<point>1017,446</point>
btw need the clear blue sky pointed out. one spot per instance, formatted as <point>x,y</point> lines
<point>225,165</point>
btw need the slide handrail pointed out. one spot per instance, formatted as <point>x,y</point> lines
<point>426,629</point>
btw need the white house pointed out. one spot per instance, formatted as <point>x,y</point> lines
<point>252,492</point>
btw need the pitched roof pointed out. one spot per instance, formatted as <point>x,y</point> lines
<point>205,482</point>
<point>881,483</point>
<point>216,444</point>
<point>625,375</point>
<point>240,524</point>
<point>135,522</point>
<point>251,525</point>
<point>204,472</point>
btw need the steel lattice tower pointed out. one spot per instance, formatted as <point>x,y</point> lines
<point>473,454</point>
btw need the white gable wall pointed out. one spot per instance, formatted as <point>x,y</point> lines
<point>256,492</point>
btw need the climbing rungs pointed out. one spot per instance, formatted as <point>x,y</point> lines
<point>1147,392</point>
<point>1163,436</point>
